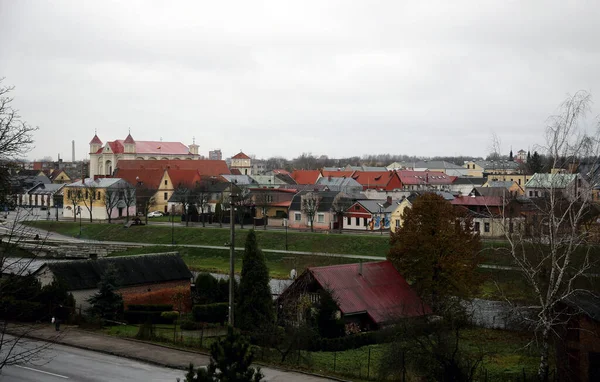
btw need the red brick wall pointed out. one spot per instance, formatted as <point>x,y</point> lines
<point>128,292</point>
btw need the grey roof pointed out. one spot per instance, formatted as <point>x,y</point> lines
<point>497,165</point>
<point>550,180</point>
<point>304,187</point>
<point>325,204</point>
<point>274,180</point>
<point>372,205</point>
<point>21,266</point>
<point>469,180</point>
<point>131,270</point>
<point>499,183</point>
<point>100,182</point>
<point>239,179</point>
<point>432,164</point>
<point>340,184</point>
<point>585,301</point>
<point>491,191</point>
<point>45,189</point>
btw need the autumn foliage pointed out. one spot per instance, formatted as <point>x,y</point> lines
<point>168,296</point>
<point>436,249</point>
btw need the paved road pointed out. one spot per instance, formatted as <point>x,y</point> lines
<point>63,363</point>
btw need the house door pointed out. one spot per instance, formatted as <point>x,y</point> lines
<point>120,212</point>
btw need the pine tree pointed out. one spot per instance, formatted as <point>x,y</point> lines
<point>255,305</point>
<point>510,156</point>
<point>230,361</point>
<point>535,163</point>
<point>106,303</point>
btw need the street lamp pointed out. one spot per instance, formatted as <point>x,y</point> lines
<point>172,225</point>
<point>79,212</point>
<point>231,255</point>
<point>381,218</point>
<point>285,223</point>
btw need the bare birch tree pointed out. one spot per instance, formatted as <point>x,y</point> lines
<point>554,253</point>
<point>111,198</point>
<point>129,197</point>
<point>310,206</point>
<point>340,206</point>
<point>90,195</point>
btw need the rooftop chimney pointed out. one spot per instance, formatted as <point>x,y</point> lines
<point>389,200</point>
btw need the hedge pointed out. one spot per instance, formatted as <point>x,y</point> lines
<point>21,310</point>
<point>150,307</point>
<point>346,343</point>
<point>215,313</point>
<point>141,317</point>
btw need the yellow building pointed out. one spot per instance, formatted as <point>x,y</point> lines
<point>519,179</point>
<point>512,186</point>
<point>97,199</point>
<point>397,213</point>
<point>482,168</point>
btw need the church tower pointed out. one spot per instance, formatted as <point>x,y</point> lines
<point>129,144</point>
<point>95,144</point>
<point>194,147</point>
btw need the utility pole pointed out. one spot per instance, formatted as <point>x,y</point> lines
<point>231,255</point>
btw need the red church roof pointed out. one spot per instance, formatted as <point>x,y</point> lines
<point>149,147</point>
<point>379,290</point>
<point>204,167</point>
<point>306,176</point>
<point>240,155</point>
<point>95,140</point>
<point>129,139</point>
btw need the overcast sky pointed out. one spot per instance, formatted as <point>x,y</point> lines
<point>340,78</point>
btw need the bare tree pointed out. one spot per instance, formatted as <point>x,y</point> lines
<point>145,199</point>
<point>310,206</point>
<point>201,197</point>
<point>242,201</point>
<point>340,206</point>
<point>262,200</point>
<point>90,195</point>
<point>75,196</point>
<point>111,198</point>
<point>129,196</point>
<point>554,253</point>
<point>184,195</point>
<point>16,136</point>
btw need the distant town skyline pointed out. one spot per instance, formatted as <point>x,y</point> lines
<point>281,79</point>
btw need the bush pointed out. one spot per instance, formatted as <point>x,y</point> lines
<point>20,310</point>
<point>346,343</point>
<point>172,316</point>
<point>211,312</point>
<point>150,307</point>
<point>162,297</point>
<point>141,317</point>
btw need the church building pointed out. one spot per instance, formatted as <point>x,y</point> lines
<point>104,157</point>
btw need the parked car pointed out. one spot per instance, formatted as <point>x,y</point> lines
<point>155,214</point>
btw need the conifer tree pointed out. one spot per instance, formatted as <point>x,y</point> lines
<point>255,302</point>
<point>106,303</point>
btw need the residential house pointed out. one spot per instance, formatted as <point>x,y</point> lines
<point>521,156</point>
<point>273,203</point>
<point>513,187</point>
<point>324,217</point>
<point>578,351</point>
<point>520,179</point>
<point>370,295</point>
<point>571,186</point>
<point>306,176</point>
<point>242,163</point>
<point>378,180</point>
<point>327,172</point>
<point>241,180</point>
<point>483,168</point>
<point>369,214</point>
<point>424,180</point>
<point>464,185</point>
<point>92,195</point>
<point>445,167</point>
<point>136,274</point>
<point>24,181</point>
<point>44,196</point>
<point>59,176</point>
<point>273,181</point>
<point>105,158</point>
<point>493,215</point>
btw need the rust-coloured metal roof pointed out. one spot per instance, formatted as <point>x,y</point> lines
<point>378,290</point>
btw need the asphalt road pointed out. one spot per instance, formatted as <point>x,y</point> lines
<point>63,363</point>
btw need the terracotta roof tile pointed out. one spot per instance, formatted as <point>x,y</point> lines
<point>240,155</point>
<point>306,176</point>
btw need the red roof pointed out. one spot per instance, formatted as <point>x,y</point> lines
<point>205,167</point>
<point>240,155</point>
<point>485,201</point>
<point>337,173</point>
<point>380,290</point>
<point>183,177</point>
<point>148,177</point>
<point>306,176</point>
<point>280,171</point>
<point>96,140</point>
<point>129,139</point>
<point>425,177</point>
<point>150,147</point>
<point>377,179</point>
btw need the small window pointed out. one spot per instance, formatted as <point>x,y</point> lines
<point>320,218</point>
<point>357,207</point>
<point>98,195</point>
<point>348,220</point>
<point>166,195</point>
<point>397,223</point>
<point>297,216</point>
<point>477,228</point>
<point>366,223</point>
<point>165,182</point>
<point>358,222</point>
<point>486,227</point>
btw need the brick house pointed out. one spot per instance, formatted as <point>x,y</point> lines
<point>137,274</point>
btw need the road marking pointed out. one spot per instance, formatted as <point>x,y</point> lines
<point>41,371</point>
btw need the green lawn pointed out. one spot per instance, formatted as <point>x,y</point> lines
<point>367,245</point>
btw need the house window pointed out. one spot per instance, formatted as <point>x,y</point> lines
<point>397,223</point>
<point>166,195</point>
<point>297,216</point>
<point>358,222</point>
<point>357,207</point>
<point>536,194</point>
<point>98,195</point>
<point>349,220</point>
<point>269,198</point>
<point>320,218</point>
<point>366,223</point>
<point>477,228</point>
<point>165,182</point>
<point>530,193</point>
<point>486,227</point>
<point>519,181</point>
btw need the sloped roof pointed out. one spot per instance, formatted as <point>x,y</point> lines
<point>95,140</point>
<point>129,139</point>
<point>470,180</point>
<point>550,180</point>
<point>183,177</point>
<point>100,182</point>
<point>499,183</point>
<point>373,178</point>
<point>240,155</point>
<point>131,270</point>
<point>491,191</point>
<point>585,301</point>
<point>306,176</point>
<point>327,198</point>
<point>204,166</point>
<point>157,148</point>
<point>429,164</point>
<point>380,290</point>
<point>372,205</point>
<point>497,165</point>
<point>337,173</point>
<point>240,179</point>
<point>45,189</point>
<point>425,177</point>
<point>485,201</point>
<point>149,178</point>
<point>339,184</point>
